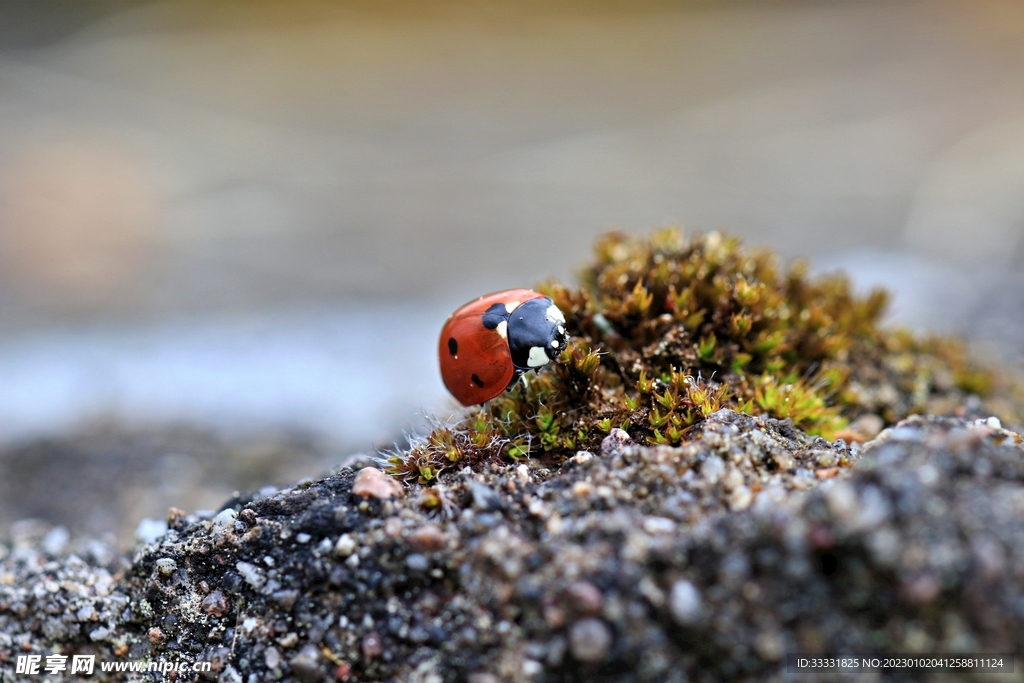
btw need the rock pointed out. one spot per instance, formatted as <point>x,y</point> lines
<point>712,469</point>
<point>306,664</point>
<point>372,483</point>
<point>285,599</point>
<point>426,538</point>
<point>55,541</point>
<point>684,603</point>
<point>416,562</point>
<point>634,564</point>
<point>252,574</point>
<point>582,457</point>
<point>224,518</point>
<point>484,497</point>
<point>586,597</point>
<point>215,604</point>
<point>166,566</point>
<point>589,640</point>
<point>372,645</point>
<point>616,440</point>
<point>740,498</point>
<point>345,546</point>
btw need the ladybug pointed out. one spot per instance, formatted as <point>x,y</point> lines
<point>487,345</point>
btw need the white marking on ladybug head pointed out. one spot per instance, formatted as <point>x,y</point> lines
<point>511,306</point>
<point>554,343</point>
<point>554,314</point>
<point>502,329</point>
<point>538,357</point>
<point>561,330</point>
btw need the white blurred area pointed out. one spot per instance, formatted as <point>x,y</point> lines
<point>254,215</point>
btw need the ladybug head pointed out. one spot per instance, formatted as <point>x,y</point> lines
<point>536,333</point>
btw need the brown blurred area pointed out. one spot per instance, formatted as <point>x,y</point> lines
<point>172,170</point>
<point>169,157</point>
<point>80,224</point>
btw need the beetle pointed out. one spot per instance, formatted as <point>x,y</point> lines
<point>487,344</point>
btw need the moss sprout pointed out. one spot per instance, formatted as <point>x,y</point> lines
<point>668,329</point>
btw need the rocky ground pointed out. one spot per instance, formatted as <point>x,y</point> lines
<point>707,561</point>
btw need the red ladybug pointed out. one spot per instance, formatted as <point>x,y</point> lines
<point>488,344</point>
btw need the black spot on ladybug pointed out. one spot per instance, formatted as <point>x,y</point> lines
<point>494,316</point>
<point>477,381</point>
<point>453,346</point>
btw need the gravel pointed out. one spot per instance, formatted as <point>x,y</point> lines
<point>709,561</point>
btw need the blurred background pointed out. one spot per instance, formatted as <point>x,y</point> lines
<point>230,231</point>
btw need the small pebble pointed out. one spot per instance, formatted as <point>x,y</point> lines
<point>740,498</point>
<point>373,483</point>
<point>285,599</point>
<point>427,537</point>
<point>586,597</point>
<point>733,479</point>
<point>712,469</point>
<point>417,562</point>
<point>225,518</point>
<point>582,457</point>
<point>659,525</point>
<point>393,527</point>
<point>306,664</point>
<point>216,604</point>
<point>248,516</point>
<point>484,497</point>
<point>589,640</point>
<point>616,440</point>
<point>252,575</point>
<point>345,546</point>
<point>55,541</point>
<point>922,589</point>
<point>826,459</point>
<point>531,668</point>
<point>372,645</point>
<point>166,566</point>
<point>684,603</point>
<point>784,461</point>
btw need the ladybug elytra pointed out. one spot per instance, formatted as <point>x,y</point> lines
<point>487,344</point>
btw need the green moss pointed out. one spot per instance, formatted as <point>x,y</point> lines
<point>666,330</point>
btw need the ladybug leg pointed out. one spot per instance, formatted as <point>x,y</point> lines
<point>516,376</point>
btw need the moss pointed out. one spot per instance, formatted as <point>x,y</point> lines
<point>668,329</point>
